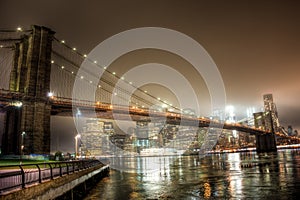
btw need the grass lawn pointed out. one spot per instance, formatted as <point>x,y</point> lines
<point>5,162</point>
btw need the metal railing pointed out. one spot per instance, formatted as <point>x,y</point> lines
<point>20,176</point>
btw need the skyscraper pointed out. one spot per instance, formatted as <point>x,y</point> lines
<point>290,130</point>
<point>271,114</point>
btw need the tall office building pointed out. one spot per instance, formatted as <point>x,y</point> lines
<point>267,120</point>
<point>271,114</point>
<point>95,137</point>
<point>290,130</point>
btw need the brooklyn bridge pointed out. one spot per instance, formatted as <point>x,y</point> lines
<point>37,77</point>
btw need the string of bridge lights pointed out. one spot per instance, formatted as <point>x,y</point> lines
<point>90,82</point>
<point>107,81</point>
<point>103,67</point>
<point>165,104</point>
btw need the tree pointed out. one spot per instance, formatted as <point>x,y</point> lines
<point>59,155</point>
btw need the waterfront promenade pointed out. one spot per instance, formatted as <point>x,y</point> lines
<point>50,180</point>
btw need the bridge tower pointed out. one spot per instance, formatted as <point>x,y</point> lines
<point>268,120</point>
<point>30,75</point>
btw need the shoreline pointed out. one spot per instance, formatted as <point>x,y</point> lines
<point>251,149</point>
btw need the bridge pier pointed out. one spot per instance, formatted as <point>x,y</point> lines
<point>11,141</point>
<point>266,143</point>
<point>35,122</point>
<point>30,75</point>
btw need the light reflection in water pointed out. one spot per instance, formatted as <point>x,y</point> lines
<point>234,174</point>
<point>220,176</point>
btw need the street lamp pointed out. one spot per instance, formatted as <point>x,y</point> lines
<point>78,114</point>
<point>76,144</point>
<point>22,146</point>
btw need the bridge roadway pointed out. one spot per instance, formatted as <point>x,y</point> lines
<point>64,106</point>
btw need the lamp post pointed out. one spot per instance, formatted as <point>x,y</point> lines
<point>22,146</point>
<point>78,114</point>
<point>76,144</point>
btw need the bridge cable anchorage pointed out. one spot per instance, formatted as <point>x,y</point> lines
<point>83,56</point>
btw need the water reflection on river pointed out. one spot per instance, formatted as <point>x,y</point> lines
<point>218,176</point>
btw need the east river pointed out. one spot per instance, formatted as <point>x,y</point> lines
<point>216,176</point>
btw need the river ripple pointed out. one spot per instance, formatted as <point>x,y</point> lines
<point>217,176</point>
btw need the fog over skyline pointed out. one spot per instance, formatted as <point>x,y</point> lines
<point>255,44</point>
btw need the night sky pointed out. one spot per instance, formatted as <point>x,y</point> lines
<point>255,44</point>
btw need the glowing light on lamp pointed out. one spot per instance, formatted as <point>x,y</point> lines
<point>77,136</point>
<point>18,104</point>
<point>50,94</point>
